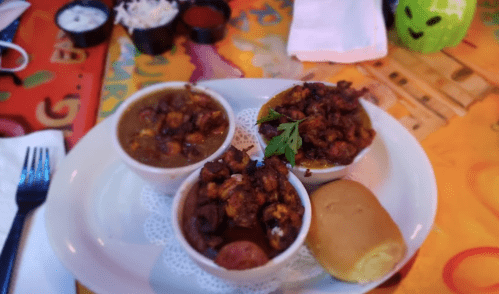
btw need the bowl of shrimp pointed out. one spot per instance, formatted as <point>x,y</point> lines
<point>333,128</point>
<point>239,219</point>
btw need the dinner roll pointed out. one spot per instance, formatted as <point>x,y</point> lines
<point>351,235</point>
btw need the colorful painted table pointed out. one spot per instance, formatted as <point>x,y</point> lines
<point>61,84</point>
<point>448,100</point>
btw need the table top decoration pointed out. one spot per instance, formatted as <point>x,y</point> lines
<point>59,81</point>
<point>428,26</point>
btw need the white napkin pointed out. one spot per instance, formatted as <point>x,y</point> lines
<point>337,30</point>
<point>37,268</point>
<point>10,10</point>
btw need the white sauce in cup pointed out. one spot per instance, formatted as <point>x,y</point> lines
<point>81,18</point>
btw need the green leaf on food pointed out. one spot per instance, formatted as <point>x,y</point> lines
<point>287,143</point>
<point>275,146</point>
<point>273,115</point>
<point>290,155</point>
<point>294,139</point>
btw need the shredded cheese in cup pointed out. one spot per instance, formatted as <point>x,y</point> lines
<point>144,14</point>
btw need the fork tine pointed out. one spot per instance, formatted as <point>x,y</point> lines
<point>31,174</point>
<point>46,167</point>
<point>39,168</point>
<point>24,173</point>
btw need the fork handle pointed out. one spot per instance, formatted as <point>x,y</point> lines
<point>9,251</point>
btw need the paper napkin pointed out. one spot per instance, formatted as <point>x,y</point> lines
<point>37,268</point>
<point>337,30</point>
<point>10,10</point>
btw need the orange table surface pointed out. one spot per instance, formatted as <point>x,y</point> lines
<point>448,100</point>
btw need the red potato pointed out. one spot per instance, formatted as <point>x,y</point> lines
<point>241,255</point>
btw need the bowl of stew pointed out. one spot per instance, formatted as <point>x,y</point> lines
<point>167,130</point>
<point>239,219</point>
<point>334,128</point>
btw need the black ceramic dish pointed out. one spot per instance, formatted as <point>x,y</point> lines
<point>207,35</point>
<point>155,41</point>
<point>91,37</point>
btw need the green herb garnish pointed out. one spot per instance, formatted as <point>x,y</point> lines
<point>288,142</point>
<point>273,115</point>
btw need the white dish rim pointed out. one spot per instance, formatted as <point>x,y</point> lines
<point>259,94</point>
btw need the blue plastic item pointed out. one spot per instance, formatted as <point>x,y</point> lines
<point>8,33</point>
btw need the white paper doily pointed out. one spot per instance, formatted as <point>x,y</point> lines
<point>158,230</point>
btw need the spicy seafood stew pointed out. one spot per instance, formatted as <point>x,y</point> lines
<point>241,214</point>
<point>173,128</point>
<point>334,126</point>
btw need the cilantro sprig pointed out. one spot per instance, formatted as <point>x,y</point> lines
<point>272,115</point>
<point>288,142</point>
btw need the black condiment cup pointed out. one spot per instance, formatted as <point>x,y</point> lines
<point>154,41</point>
<point>91,37</point>
<point>208,35</point>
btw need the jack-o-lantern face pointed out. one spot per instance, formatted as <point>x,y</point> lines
<point>430,25</point>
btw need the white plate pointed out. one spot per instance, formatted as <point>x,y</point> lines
<point>95,220</point>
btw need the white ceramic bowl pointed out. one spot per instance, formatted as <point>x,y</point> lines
<point>318,176</point>
<point>240,276</point>
<point>167,180</point>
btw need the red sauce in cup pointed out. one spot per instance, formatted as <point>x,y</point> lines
<point>203,17</point>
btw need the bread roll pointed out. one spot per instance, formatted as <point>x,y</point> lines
<point>351,235</point>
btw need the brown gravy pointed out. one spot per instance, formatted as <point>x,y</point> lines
<point>173,128</point>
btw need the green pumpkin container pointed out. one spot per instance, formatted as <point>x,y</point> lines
<point>430,25</point>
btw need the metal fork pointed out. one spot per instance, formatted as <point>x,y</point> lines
<point>31,192</point>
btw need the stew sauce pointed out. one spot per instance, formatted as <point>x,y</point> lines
<point>252,211</point>
<point>173,128</point>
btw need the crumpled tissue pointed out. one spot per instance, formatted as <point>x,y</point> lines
<point>337,31</point>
